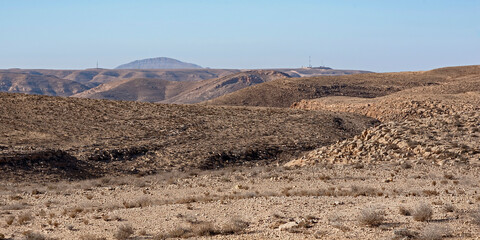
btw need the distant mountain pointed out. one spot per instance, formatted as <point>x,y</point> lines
<point>38,84</point>
<point>158,63</point>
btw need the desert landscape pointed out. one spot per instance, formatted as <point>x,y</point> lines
<point>365,156</point>
<point>240,120</point>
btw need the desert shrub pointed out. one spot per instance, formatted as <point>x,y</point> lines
<point>235,225</point>
<point>123,232</point>
<point>24,218</point>
<point>475,217</point>
<point>91,237</point>
<point>449,208</point>
<point>435,232</point>
<point>405,234</point>
<point>371,217</point>
<point>202,229</point>
<point>29,235</point>
<point>404,211</point>
<point>422,213</point>
<point>9,220</point>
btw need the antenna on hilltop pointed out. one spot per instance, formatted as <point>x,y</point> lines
<point>97,63</point>
<point>309,61</point>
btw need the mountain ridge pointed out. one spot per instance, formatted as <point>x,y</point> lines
<point>158,63</point>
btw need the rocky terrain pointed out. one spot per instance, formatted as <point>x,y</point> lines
<point>44,137</point>
<point>158,63</point>
<point>401,164</point>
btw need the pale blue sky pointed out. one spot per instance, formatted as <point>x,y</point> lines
<point>376,35</point>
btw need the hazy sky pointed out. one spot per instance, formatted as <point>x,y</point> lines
<point>372,35</point>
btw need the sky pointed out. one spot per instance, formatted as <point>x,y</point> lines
<point>375,35</point>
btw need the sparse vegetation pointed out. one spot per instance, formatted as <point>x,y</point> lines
<point>371,217</point>
<point>124,232</point>
<point>435,232</point>
<point>422,212</point>
<point>23,218</point>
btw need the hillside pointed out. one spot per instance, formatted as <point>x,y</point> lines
<point>212,88</point>
<point>285,92</point>
<point>137,89</point>
<point>158,63</point>
<point>36,84</point>
<point>156,90</point>
<point>94,77</point>
<point>76,138</point>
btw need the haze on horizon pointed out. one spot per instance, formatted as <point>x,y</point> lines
<point>368,35</point>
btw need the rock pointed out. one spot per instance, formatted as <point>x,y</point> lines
<point>287,226</point>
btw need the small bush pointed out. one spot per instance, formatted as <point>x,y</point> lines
<point>235,225</point>
<point>10,220</point>
<point>404,211</point>
<point>371,217</point>
<point>29,235</point>
<point>423,213</point>
<point>123,232</point>
<point>435,232</point>
<point>475,217</point>
<point>24,218</point>
<point>91,237</point>
<point>449,208</point>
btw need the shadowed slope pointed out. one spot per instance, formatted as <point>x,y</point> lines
<point>117,137</point>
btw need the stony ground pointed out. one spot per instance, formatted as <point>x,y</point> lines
<point>388,201</point>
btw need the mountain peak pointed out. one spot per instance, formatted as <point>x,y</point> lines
<point>158,63</point>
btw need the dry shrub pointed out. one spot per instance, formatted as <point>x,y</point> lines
<point>123,232</point>
<point>404,211</point>
<point>371,217</point>
<point>24,218</point>
<point>139,203</point>
<point>422,213</point>
<point>435,232</point>
<point>29,235</point>
<point>405,234</point>
<point>202,229</point>
<point>449,208</point>
<point>430,193</point>
<point>91,237</point>
<point>15,206</point>
<point>235,225</point>
<point>475,217</point>
<point>9,220</point>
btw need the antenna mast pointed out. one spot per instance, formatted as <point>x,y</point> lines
<point>310,61</point>
<point>97,63</point>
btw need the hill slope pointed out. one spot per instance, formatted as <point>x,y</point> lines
<point>96,76</point>
<point>156,90</point>
<point>212,88</point>
<point>71,137</point>
<point>37,84</point>
<point>158,63</point>
<point>285,92</point>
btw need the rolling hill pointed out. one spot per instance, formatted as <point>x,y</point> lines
<point>38,84</point>
<point>285,92</point>
<point>156,90</point>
